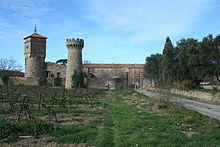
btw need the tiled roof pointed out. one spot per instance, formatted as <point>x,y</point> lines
<point>35,35</point>
<point>107,65</point>
<point>114,65</point>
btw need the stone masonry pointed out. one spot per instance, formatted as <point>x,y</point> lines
<point>35,53</point>
<point>113,76</point>
<point>101,74</point>
<point>74,64</point>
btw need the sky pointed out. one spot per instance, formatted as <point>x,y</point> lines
<point>114,31</point>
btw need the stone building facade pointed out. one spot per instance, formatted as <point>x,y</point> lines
<point>102,75</point>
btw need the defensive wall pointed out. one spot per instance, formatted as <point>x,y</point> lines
<point>101,75</point>
<point>112,76</point>
<point>11,73</point>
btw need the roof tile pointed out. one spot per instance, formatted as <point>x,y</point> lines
<point>114,65</point>
<point>35,35</point>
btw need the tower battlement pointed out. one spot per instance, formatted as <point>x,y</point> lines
<point>74,64</point>
<point>75,42</point>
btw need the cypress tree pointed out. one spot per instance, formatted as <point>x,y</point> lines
<point>168,61</point>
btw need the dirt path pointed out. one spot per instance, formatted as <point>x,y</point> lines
<point>203,108</point>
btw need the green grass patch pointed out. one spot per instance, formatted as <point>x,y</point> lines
<point>76,134</point>
<point>10,131</point>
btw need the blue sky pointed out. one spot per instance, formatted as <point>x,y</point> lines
<point>115,31</point>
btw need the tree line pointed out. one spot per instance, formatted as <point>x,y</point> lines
<point>189,62</point>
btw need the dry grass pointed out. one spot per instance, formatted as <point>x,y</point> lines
<point>160,105</point>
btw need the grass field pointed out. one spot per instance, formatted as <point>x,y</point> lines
<point>92,117</point>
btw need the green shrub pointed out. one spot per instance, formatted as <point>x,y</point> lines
<point>52,75</point>
<point>77,80</point>
<point>5,79</point>
<point>58,82</point>
<point>42,81</point>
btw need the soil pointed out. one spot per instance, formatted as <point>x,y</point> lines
<point>40,142</point>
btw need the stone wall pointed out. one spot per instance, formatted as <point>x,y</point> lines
<point>111,71</point>
<point>132,72</point>
<point>33,81</point>
<point>211,87</point>
<point>114,76</point>
<point>98,83</point>
<point>1,82</point>
<point>148,83</point>
<point>120,83</point>
<point>54,70</point>
<point>50,81</point>
<point>207,96</point>
<point>103,83</point>
<point>11,73</point>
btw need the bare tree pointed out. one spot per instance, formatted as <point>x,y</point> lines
<point>9,64</point>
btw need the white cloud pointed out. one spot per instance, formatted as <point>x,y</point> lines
<point>25,8</point>
<point>14,12</point>
<point>145,20</point>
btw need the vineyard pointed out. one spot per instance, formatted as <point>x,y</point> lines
<point>30,111</point>
<point>51,116</point>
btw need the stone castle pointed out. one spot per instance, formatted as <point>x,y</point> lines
<point>113,76</point>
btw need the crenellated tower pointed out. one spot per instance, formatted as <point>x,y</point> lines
<point>35,53</point>
<point>74,62</point>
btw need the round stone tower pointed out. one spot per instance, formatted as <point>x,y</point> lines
<point>74,62</point>
<point>35,53</point>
